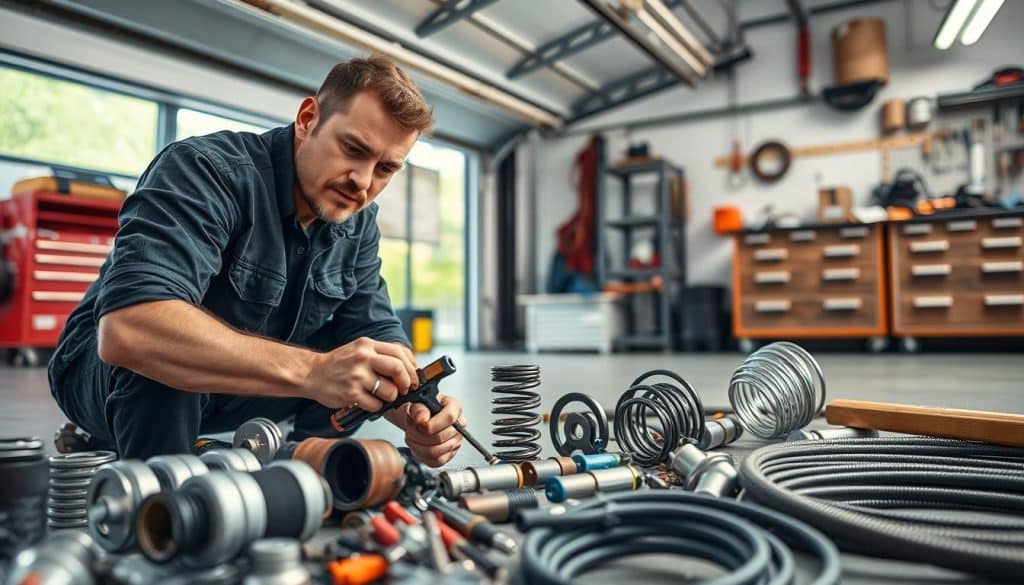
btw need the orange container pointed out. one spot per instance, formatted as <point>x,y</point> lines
<point>728,219</point>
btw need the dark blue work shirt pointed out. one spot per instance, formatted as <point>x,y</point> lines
<point>213,222</point>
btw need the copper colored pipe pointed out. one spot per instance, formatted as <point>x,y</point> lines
<point>362,473</point>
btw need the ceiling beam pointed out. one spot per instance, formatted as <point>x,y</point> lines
<point>451,12</point>
<point>621,91</point>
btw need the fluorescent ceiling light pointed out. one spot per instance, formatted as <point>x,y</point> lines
<point>953,22</point>
<point>979,22</point>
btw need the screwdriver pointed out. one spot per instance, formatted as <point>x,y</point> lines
<point>426,394</point>
<point>475,527</point>
<point>461,548</point>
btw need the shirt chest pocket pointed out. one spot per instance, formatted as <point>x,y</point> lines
<point>333,288</point>
<point>257,293</point>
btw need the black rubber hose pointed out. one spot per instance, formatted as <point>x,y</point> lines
<point>753,543</point>
<point>948,503</point>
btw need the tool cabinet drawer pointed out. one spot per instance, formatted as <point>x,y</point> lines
<point>959,314</point>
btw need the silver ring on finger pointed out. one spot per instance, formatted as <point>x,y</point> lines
<point>376,387</point>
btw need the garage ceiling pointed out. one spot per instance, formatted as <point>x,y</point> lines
<point>484,45</point>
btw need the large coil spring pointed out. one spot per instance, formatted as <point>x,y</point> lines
<point>777,389</point>
<point>517,407</point>
<point>674,407</point>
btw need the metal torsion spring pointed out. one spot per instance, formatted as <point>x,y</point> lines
<point>778,389</point>
<point>674,407</point>
<point>70,475</point>
<point>517,407</point>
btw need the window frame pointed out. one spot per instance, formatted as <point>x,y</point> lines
<point>168,104</point>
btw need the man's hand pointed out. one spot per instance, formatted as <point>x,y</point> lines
<point>347,376</point>
<point>432,439</point>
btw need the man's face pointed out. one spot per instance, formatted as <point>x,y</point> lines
<point>343,161</point>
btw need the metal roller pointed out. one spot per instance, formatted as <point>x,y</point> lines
<point>276,561</point>
<point>231,460</point>
<point>115,493</point>
<point>261,436</point>
<point>585,485</point>
<point>719,432</point>
<point>537,473</point>
<point>173,470</point>
<point>505,476</point>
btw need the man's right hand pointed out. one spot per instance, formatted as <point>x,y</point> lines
<point>346,376</point>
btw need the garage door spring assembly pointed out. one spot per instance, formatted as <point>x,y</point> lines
<point>69,485</point>
<point>653,419</point>
<point>517,406</point>
<point>778,389</point>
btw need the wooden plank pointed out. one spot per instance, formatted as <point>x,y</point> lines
<point>998,428</point>
<point>835,148</point>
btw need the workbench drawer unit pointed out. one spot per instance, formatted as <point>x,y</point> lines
<point>820,282</point>
<point>54,245</point>
<point>958,277</point>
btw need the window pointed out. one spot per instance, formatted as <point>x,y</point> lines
<point>196,123</point>
<point>435,249</point>
<point>74,124</point>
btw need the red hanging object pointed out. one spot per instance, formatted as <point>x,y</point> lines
<point>576,238</point>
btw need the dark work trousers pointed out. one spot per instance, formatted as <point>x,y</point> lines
<point>139,417</point>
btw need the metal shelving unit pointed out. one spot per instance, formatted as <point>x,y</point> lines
<point>669,233</point>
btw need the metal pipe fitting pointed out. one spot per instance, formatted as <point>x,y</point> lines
<point>277,561</point>
<point>719,432</point>
<point>231,460</point>
<point>261,436</point>
<point>505,476</point>
<point>709,473</point>
<point>500,506</point>
<point>173,470</point>
<point>118,488</point>
<point>537,473</point>
<point>833,433</point>
<point>585,485</point>
<point>64,558</point>
<point>361,473</point>
<point>599,461</point>
<point>213,517</point>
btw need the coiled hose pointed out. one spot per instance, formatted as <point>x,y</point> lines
<point>949,503</point>
<point>754,543</point>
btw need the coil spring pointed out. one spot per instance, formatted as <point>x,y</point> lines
<point>70,474</point>
<point>677,409</point>
<point>777,389</point>
<point>517,405</point>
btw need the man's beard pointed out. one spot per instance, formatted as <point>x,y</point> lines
<point>320,211</point>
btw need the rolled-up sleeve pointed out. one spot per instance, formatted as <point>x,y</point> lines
<point>174,229</point>
<point>368,312</point>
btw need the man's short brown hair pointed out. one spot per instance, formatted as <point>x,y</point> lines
<point>379,74</point>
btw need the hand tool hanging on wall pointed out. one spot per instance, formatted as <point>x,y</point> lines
<point>429,377</point>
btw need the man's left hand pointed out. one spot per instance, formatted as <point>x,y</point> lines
<point>432,439</point>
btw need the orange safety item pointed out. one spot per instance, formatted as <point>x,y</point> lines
<point>358,570</point>
<point>728,219</point>
<point>384,532</point>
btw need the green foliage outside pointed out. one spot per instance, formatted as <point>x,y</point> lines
<point>69,123</point>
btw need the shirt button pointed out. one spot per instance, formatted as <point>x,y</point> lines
<point>300,250</point>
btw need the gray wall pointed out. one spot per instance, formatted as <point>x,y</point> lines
<point>915,68</point>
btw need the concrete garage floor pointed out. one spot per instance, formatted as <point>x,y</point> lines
<point>978,381</point>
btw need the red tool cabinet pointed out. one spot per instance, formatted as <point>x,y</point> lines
<point>54,244</point>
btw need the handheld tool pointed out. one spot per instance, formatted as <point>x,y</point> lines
<point>475,527</point>
<point>426,394</point>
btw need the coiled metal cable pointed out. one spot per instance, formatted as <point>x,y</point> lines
<point>754,543</point>
<point>517,405</point>
<point>676,409</point>
<point>777,389</point>
<point>953,504</point>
